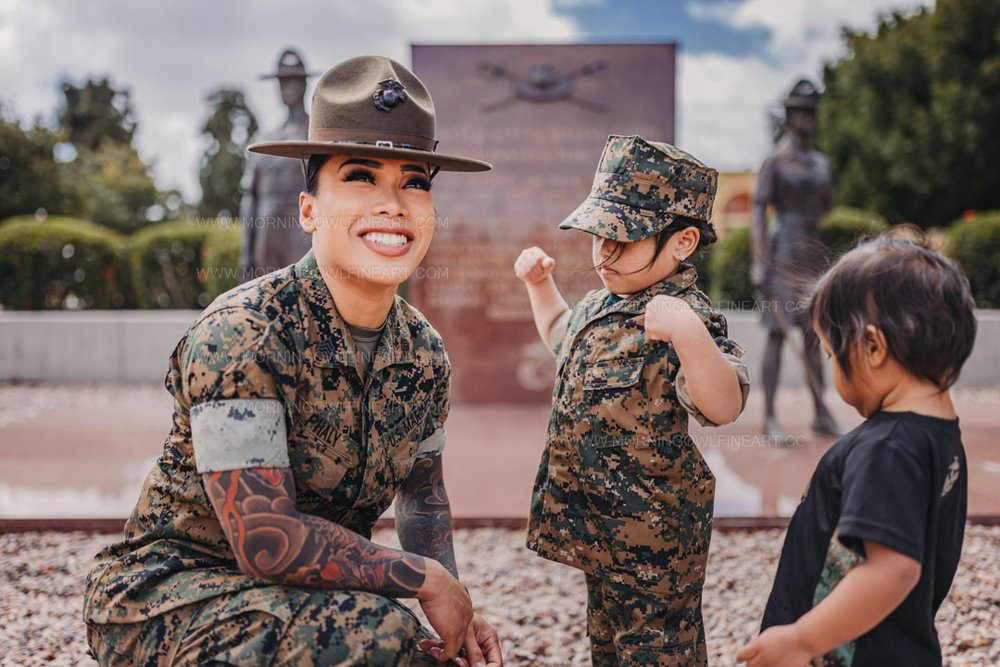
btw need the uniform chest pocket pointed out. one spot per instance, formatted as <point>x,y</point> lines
<point>614,399</point>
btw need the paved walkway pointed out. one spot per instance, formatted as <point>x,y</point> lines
<point>83,451</point>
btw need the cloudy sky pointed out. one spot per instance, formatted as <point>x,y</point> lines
<point>737,57</point>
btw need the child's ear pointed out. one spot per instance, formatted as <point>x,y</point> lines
<point>686,242</point>
<point>875,349</point>
<point>306,219</point>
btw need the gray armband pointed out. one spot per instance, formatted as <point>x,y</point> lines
<point>239,433</point>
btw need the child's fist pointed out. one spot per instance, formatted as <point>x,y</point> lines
<point>666,316</point>
<point>533,265</point>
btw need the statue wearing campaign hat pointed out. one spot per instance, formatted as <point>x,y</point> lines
<point>269,208</point>
<point>795,179</point>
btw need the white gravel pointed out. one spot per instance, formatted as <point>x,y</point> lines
<point>537,606</point>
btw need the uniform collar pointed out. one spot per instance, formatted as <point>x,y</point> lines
<point>682,279</point>
<point>329,340</point>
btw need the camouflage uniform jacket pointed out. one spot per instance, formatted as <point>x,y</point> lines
<point>622,492</point>
<point>278,340</point>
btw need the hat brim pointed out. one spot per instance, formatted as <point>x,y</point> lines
<point>305,149</point>
<point>616,221</point>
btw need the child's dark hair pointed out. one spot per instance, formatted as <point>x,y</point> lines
<point>312,167</point>
<point>917,298</point>
<point>707,236</point>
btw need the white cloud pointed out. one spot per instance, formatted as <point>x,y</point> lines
<point>724,99</point>
<point>170,55</point>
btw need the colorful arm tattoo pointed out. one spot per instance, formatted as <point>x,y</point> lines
<point>423,515</point>
<point>272,540</point>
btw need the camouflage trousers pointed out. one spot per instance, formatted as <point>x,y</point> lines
<point>274,625</point>
<point>631,627</point>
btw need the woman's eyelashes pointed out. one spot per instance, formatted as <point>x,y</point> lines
<point>368,176</point>
<point>419,182</point>
<point>360,174</point>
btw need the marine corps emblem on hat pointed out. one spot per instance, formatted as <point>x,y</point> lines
<point>371,106</point>
<point>641,187</point>
<point>390,96</point>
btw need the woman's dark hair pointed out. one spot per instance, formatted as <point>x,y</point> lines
<point>679,223</point>
<point>312,167</point>
<point>918,299</point>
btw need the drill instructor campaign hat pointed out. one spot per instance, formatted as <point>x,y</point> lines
<point>371,106</point>
<point>640,189</point>
<point>290,66</point>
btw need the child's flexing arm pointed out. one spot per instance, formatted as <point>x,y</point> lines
<point>534,268</point>
<point>857,604</point>
<point>714,385</point>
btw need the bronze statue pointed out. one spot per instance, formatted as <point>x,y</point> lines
<point>796,180</point>
<point>272,238</point>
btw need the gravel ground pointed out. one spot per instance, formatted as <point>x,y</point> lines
<point>537,606</point>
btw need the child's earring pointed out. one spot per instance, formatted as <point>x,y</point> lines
<point>681,257</point>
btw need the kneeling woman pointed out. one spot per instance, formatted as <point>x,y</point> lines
<point>305,402</point>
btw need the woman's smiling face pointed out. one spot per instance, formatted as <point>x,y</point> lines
<point>372,219</point>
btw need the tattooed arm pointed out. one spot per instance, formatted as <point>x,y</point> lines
<point>273,541</point>
<point>423,515</point>
<point>423,522</point>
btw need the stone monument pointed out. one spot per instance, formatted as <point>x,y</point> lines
<point>541,115</point>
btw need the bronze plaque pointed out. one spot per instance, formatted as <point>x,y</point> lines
<point>541,115</point>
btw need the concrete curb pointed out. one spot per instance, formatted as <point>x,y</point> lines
<point>134,345</point>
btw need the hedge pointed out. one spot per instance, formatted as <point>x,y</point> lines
<point>975,245</point>
<point>841,229</point>
<point>62,262</point>
<point>220,256</point>
<point>166,264</point>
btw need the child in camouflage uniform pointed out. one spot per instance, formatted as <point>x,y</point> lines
<point>622,492</point>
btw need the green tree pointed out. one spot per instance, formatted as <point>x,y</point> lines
<point>111,187</point>
<point>96,112</point>
<point>30,179</point>
<point>229,127</point>
<point>107,181</point>
<point>909,114</point>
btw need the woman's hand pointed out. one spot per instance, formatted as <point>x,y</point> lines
<point>667,316</point>
<point>533,265</point>
<point>448,609</point>
<point>482,645</point>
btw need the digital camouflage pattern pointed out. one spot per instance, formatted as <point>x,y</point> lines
<point>640,186</point>
<point>351,442</point>
<point>274,625</point>
<point>622,492</point>
<point>838,563</point>
<point>630,627</point>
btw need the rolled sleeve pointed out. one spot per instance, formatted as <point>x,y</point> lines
<point>232,365</point>
<point>718,328</point>
<point>433,437</point>
<point>558,329</point>
<point>684,391</point>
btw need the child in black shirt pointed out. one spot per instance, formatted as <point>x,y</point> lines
<point>872,549</point>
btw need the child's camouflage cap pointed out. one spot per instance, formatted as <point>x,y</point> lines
<point>640,187</point>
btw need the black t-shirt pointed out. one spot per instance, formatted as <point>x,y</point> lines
<point>900,480</point>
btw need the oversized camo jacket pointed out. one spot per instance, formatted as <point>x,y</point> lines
<point>350,442</point>
<point>622,492</point>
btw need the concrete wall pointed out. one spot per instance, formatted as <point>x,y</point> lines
<point>134,345</point>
